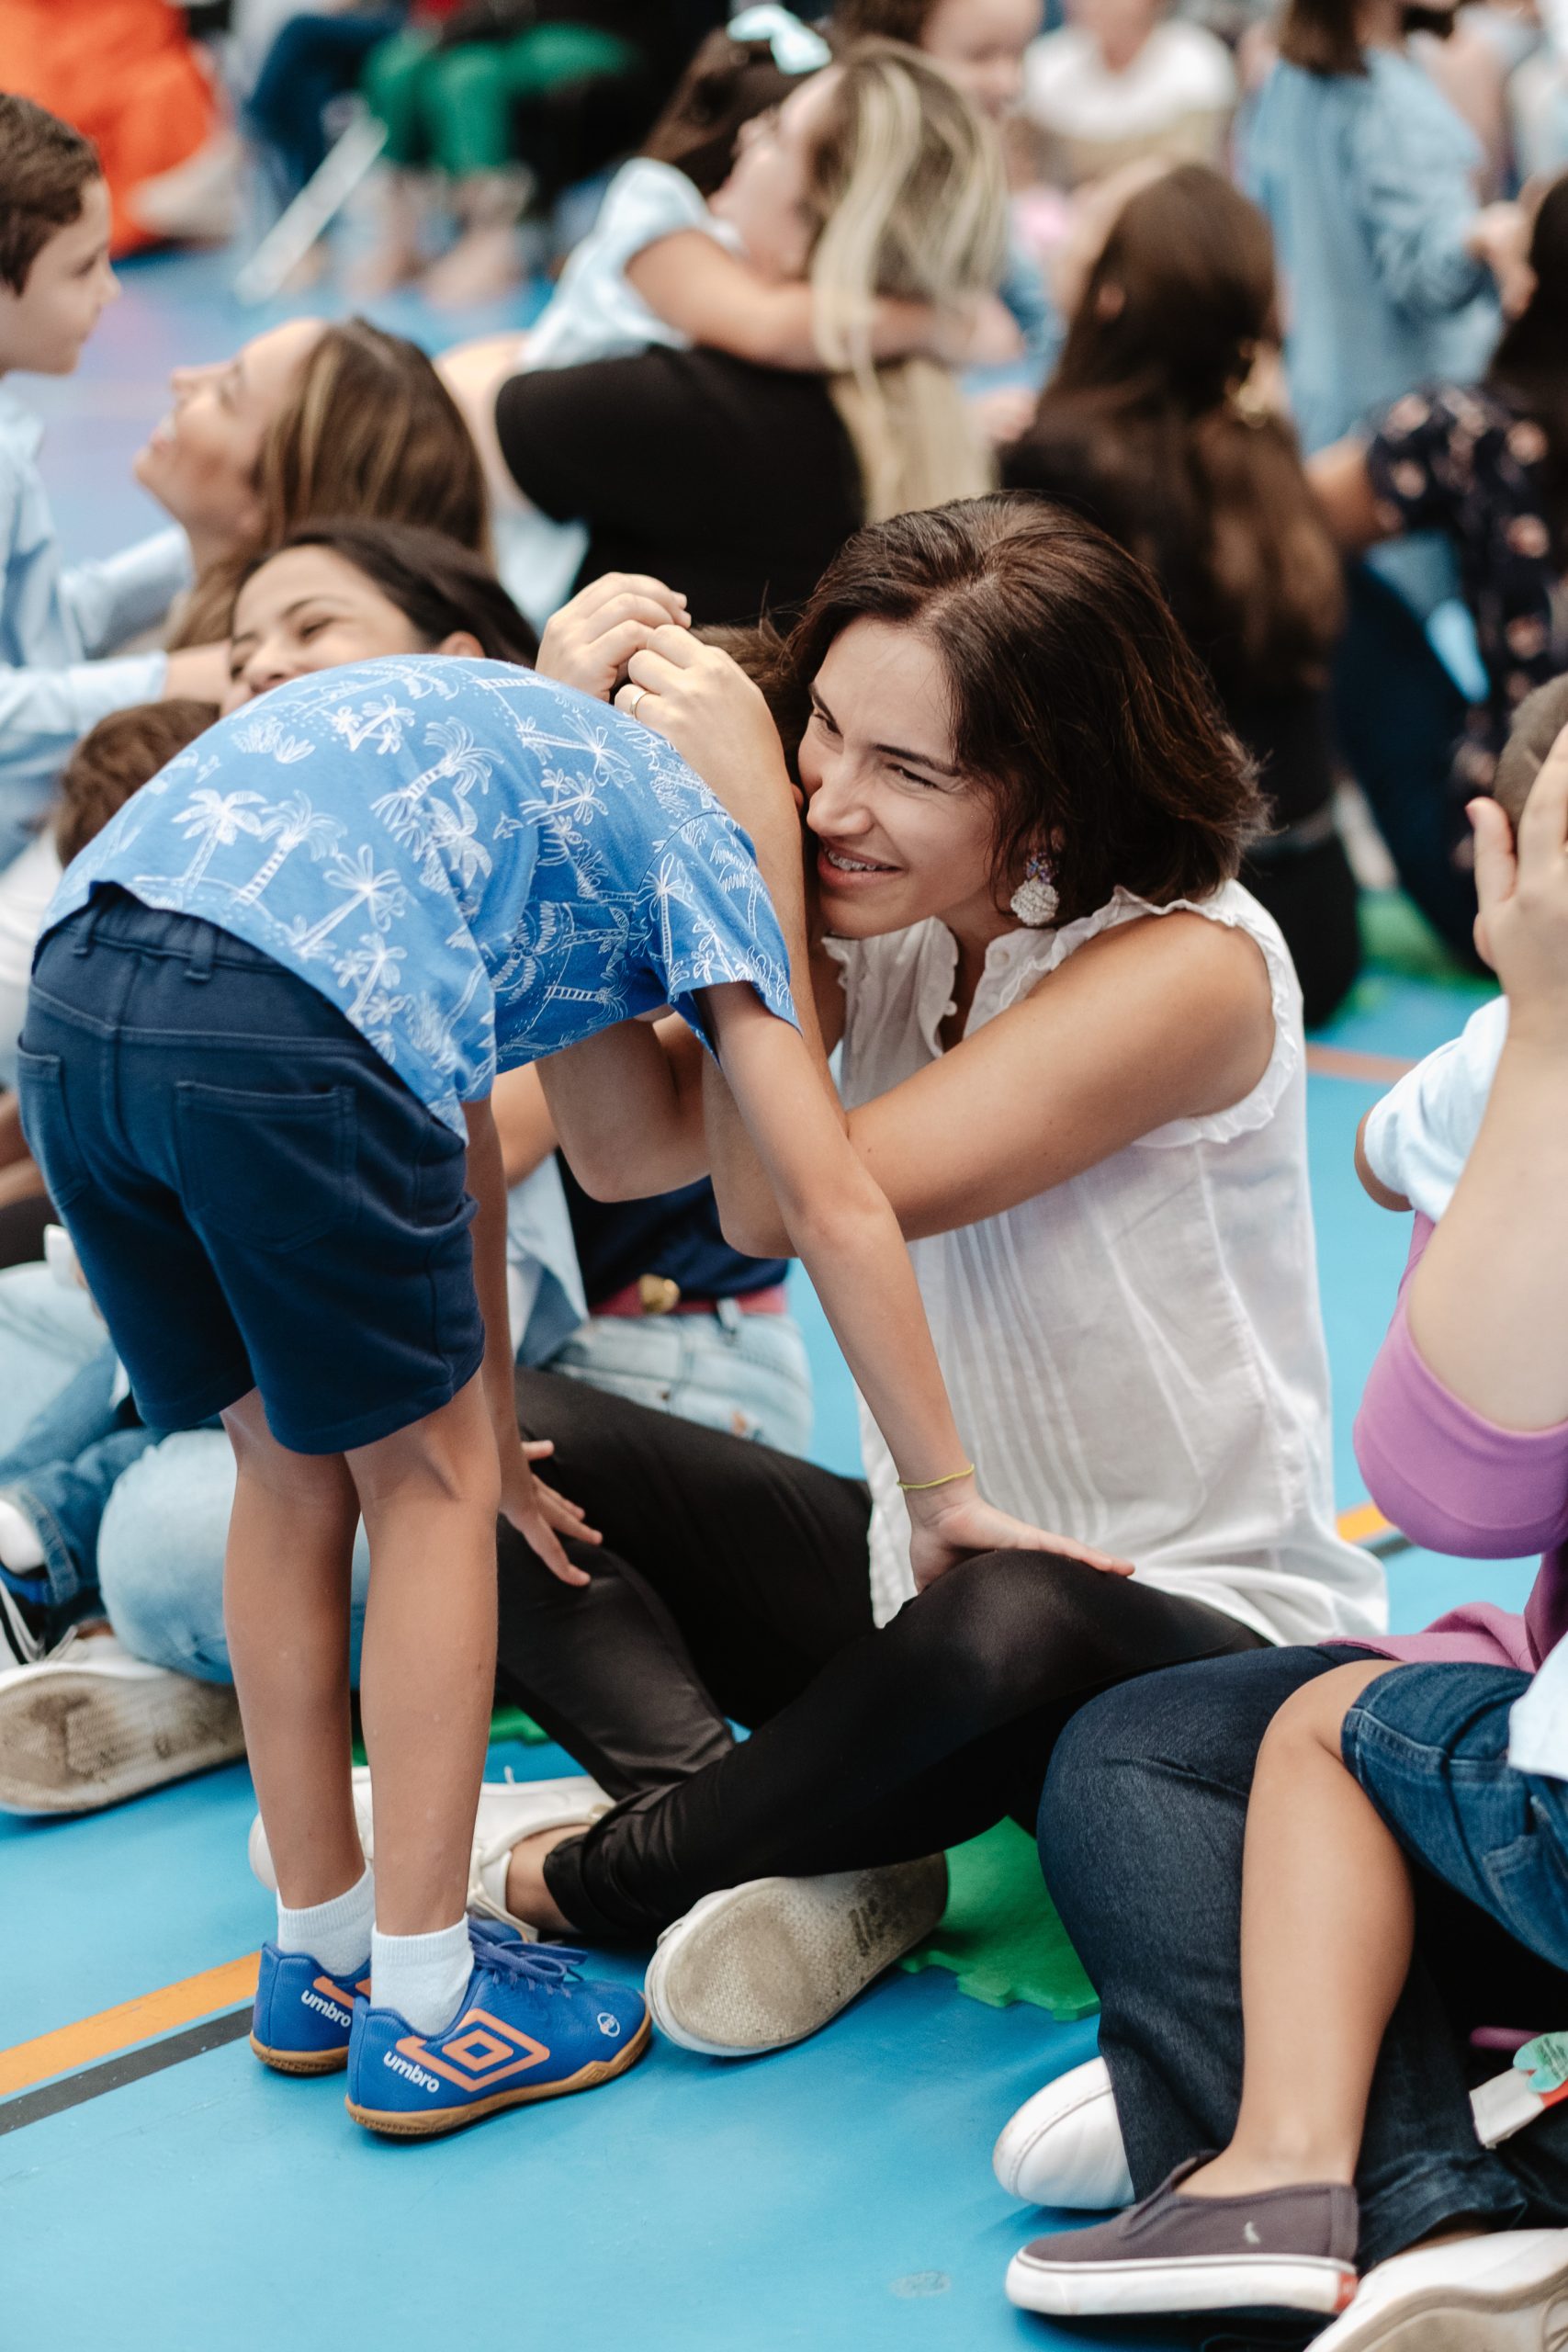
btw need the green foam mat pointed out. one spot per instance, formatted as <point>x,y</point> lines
<point>1000,1935</point>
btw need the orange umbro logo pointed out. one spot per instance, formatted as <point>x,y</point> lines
<point>483,2051</point>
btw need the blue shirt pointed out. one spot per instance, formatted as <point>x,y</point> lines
<point>52,620</point>
<point>477,867</point>
<point>1368,180</point>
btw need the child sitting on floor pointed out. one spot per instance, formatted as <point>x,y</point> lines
<point>265,1018</point>
<point>1449,1763</point>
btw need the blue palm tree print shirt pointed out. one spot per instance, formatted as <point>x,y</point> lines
<point>476,865</point>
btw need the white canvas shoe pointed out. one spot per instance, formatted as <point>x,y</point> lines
<point>88,1725</point>
<point>1507,2292</point>
<point>753,1968</point>
<point>1064,2146</point>
<point>509,1811</point>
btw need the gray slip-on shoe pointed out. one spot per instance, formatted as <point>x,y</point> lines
<point>1284,2249</point>
<point>753,1968</point>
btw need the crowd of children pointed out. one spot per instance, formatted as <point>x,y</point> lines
<point>436,873</point>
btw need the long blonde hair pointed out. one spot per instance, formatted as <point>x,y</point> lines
<point>907,186</point>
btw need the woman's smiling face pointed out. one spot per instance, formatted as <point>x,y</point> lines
<point>307,609</point>
<point>901,833</point>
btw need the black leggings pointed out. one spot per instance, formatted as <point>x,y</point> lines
<point>733,1584</point>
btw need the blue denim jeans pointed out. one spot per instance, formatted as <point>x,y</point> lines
<point>1429,1745</point>
<point>746,1373</point>
<point>64,1439</point>
<point>1141,1828</point>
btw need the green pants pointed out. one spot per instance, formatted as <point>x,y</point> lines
<point>453,108</point>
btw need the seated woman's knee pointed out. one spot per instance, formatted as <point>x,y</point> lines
<point>1006,1617</point>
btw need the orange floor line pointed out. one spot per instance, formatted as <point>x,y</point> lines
<point>112,2030</point>
<point>1344,1061</point>
<point>1363,1524</point>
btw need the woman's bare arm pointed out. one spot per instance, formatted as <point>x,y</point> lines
<point>474,373</point>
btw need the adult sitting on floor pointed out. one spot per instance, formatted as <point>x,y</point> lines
<point>1027,820</point>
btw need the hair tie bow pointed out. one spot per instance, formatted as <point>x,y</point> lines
<point>796,49</point>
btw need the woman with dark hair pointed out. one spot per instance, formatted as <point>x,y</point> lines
<point>1486,464</point>
<point>1072,1052</point>
<point>1367,175</point>
<point>1151,426</point>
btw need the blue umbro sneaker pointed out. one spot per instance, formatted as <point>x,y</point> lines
<point>302,2015</point>
<point>529,2027</point>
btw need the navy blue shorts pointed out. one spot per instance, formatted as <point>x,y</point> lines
<point>256,1200</point>
<point>1429,1745</point>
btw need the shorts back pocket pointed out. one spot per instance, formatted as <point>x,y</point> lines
<point>274,1170</point>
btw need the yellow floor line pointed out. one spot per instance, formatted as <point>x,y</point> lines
<point>112,2030</point>
<point>1363,1524</point>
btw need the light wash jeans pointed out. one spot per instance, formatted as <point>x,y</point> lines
<point>746,1373</point>
<point>161,1543</point>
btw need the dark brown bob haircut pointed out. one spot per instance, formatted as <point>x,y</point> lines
<point>438,586</point>
<point>115,758</point>
<point>1077,706</point>
<point>1320,37</point>
<point>44,167</point>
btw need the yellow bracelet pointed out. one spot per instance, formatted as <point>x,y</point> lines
<point>924,1486</point>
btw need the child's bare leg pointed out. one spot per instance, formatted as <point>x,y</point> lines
<point>429,1496</point>
<point>286,1608</point>
<point>1326,1929</point>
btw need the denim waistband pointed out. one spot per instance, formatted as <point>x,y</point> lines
<point>115,917</point>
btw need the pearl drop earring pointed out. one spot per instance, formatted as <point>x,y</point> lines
<point>1035,901</point>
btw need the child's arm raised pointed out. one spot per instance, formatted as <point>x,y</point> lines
<point>540,1516</point>
<point>712,297</point>
<point>847,1238</point>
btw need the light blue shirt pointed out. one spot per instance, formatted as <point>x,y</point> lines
<point>1368,183</point>
<point>54,622</point>
<point>476,865</point>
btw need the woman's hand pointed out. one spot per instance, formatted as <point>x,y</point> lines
<point>1522,928</point>
<point>541,1516</point>
<point>590,641</point>
<point>944,1531</point>
<point>707,708</point>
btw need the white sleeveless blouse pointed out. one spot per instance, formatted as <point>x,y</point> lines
<point>1135,1357</point>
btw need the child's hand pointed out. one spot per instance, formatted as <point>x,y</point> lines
<point>590,641</point>
<point>706,706</point>
<point>541,1516</point>
<point>943,1531</point>
<point>1522,928</point>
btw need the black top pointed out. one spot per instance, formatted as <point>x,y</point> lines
<point>736,484</point>
<point>675,1234</point>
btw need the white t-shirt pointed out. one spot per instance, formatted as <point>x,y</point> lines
<point>1135,1357</point>
<point>1419,1136</point>
<point>27,885</point>
<point>1180,70</point>
<point>594,312</point>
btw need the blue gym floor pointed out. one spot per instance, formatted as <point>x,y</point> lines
<point>839,2194</point>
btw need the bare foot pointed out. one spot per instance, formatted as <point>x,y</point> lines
<point>527,1896</point>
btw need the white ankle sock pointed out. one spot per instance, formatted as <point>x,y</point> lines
<point>20,1550</point>
<point>422,1977</point>
<point>336,1933</point>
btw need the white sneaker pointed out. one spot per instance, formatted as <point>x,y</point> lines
<point>89,1726</point>
<point>1507,2292</point>
<point>509,1811</point>
<point>753,1968</point>
<point>1064,2146</point>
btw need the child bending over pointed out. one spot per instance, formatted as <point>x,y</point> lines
<point>266,1015</point>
